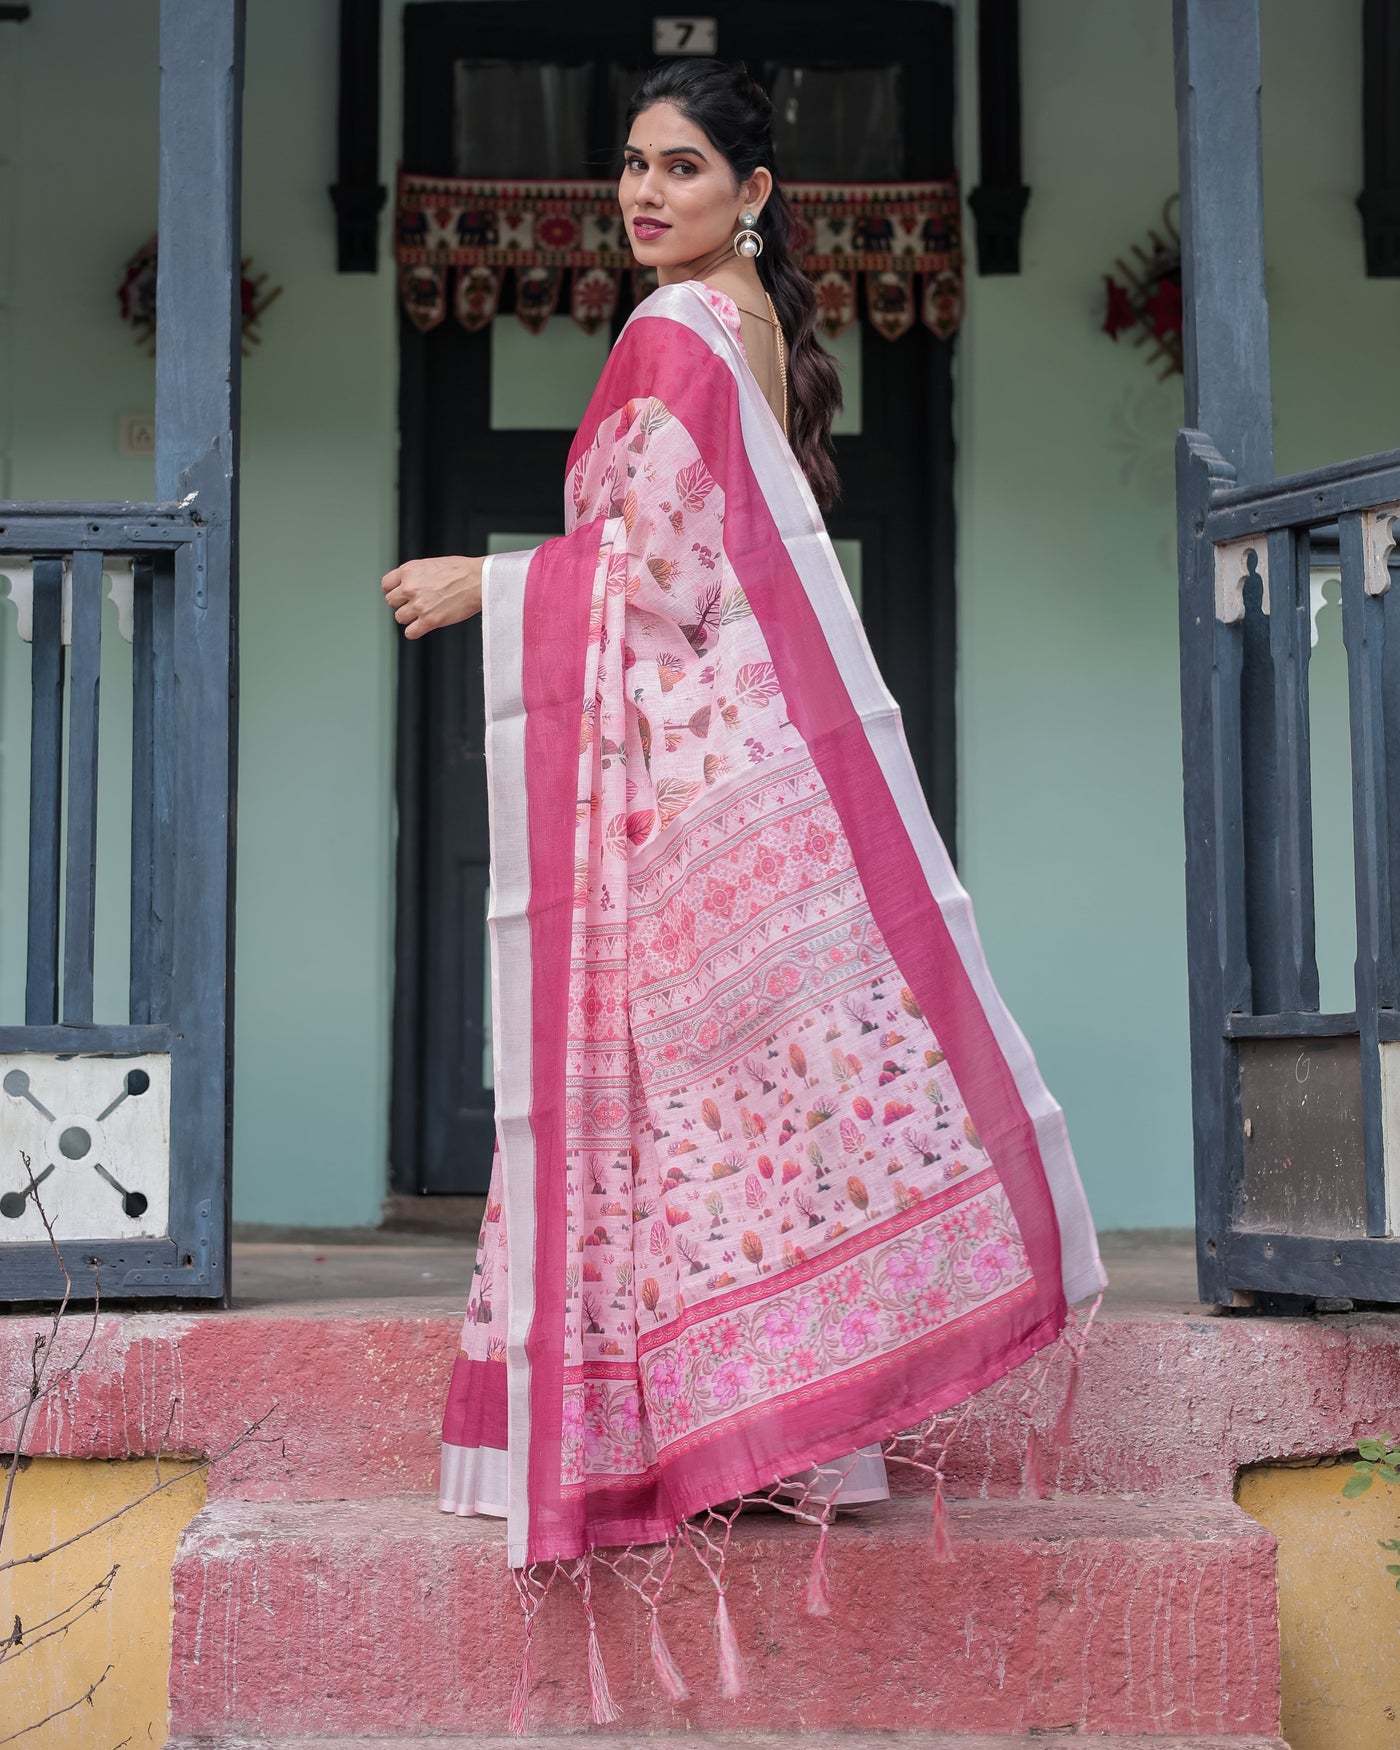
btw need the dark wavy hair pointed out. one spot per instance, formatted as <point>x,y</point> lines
<point>734,114</point>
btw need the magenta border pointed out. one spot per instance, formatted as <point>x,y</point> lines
<point>679,368</point>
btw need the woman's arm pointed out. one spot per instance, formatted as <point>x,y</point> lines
<point>428,593</point>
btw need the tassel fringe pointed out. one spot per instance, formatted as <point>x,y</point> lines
<point>818,1586</point>
<point>605,1709</point>
<point>731,1677</point>
<point>942,1530</point>
<point>532,1593</point>
<point>668,1672</point>
<point>1059,1437</point>
<point>520,1696</point>
<point>708,1540</point>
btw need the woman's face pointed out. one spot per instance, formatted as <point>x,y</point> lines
<point>679,199</point>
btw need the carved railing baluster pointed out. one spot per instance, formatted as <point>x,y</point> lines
<point>80,860</point>
<point>45,792</point>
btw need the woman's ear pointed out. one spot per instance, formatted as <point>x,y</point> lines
<point>756,190</point>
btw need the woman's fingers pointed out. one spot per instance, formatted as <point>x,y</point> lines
<point>427,593</point>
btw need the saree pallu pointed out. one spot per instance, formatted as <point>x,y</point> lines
<point>776,1175</point>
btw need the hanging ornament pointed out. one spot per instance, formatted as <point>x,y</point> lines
<point>536,295</point>
<point>1146,302</point>
<point>477,296</point>
<point>423,293</point>
<point>136,298</point>
<point>889,299</point>
<point>593,297</point>
<point>836,302</point>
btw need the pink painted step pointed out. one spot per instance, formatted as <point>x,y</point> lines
<point>1169,1404</point>
<point>607,1740</point>
<point>375,1618</point>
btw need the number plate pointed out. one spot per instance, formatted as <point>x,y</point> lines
<point>684,36</point>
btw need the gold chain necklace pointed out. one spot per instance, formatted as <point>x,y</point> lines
<point>782,359</point>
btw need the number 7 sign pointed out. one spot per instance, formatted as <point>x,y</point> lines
<point>684,36</point>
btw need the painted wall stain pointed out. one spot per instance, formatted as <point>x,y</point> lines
<point>126,1634</point>
<point>1339,1612</point>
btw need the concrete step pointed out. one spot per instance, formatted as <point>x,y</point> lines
<point>857,1740</point>
<point>1168,1405</point>
<point>381,1617</point>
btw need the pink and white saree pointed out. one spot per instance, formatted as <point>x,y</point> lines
<point>776,1175</point>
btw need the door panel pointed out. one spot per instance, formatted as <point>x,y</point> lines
<point>486,421</point>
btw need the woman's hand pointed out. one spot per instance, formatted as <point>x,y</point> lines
<point>428,593</point>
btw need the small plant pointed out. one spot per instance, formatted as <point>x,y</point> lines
<point>1377,1458</point>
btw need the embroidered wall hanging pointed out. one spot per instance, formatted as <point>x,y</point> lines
<point>903,240</point>
<point>1146,301</point>
<point>136,298</point>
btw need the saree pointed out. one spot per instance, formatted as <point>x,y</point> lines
<point>776,1176</point>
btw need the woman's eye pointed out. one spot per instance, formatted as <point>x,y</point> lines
<point>681,164</point>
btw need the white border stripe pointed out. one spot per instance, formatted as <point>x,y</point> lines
<point>503,650</point>
<point>800,524</point>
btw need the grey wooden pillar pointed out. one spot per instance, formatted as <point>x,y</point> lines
<point>1219,146</point>
<point>198,356</point>
<point>1229,417</point>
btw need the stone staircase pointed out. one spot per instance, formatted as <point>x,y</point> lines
<point>321,1600</point>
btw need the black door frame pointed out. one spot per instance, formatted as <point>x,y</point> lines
<point>920,662</point>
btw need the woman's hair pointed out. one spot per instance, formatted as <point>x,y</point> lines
<point>736,117</point>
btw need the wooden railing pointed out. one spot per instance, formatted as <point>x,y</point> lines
<point>1296,1113</point>
<point>164,1229</point>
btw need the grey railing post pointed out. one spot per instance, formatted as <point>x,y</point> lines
<point>1231,745</point>
<point>199,340</point>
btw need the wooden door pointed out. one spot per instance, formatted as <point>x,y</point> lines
<point>523,89</point>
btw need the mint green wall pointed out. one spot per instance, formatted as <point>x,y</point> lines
<point>315,819</point>
<point>1071,835</point>
<point>1068,685</point>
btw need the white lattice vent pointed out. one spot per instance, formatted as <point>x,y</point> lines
<point>97,1133</point>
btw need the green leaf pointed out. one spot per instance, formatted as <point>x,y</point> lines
<point>1371,1448</point>
<point>1388,1473</point>
<point>1356,1485</point>
<point>1392,1568</point>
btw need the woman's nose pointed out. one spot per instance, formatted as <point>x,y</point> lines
<point>649,194</point>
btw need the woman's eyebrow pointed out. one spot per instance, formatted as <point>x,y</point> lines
<point>667,152</point>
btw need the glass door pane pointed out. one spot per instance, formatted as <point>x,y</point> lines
<point>521,118</point>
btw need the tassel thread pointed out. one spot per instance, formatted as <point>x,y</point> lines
<point>1060,1436</point>
<point>942,1529</point>
<point>818,1585</point>
<point>668,1672</point>
<point>532,1595</point>
<point>731,1677</point>
<point>520,1697</point>
<point>605,1709</point>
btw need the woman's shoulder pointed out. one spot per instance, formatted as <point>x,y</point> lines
<point>666,300</point>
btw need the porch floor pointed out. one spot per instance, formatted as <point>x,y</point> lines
<point>1151,1271</point>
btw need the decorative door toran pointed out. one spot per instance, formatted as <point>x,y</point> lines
<point>457,238</point>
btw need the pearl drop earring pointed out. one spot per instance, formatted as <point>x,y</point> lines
<point>747,241</point>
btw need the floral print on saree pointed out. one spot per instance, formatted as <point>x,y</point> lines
<point>786,1174</point>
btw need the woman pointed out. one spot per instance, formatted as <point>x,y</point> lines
<point>776,1175</point>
